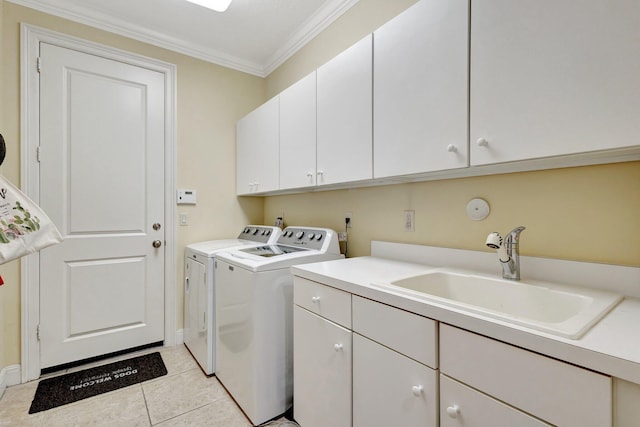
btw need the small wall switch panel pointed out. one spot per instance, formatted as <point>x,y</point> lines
<point>409,220</point>
<point>186,197</point>
<point>342,236</point>
<point>184,219</point>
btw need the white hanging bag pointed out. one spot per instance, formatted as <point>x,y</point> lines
<point>24,227</point>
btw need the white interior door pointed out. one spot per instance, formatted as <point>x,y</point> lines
<point>102,183</point>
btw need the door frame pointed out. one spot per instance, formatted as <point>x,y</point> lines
<point>30,39</point>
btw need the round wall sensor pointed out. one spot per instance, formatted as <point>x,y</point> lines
<point>478,209</point>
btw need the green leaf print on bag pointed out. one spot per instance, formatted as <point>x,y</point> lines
<point>19,225</point>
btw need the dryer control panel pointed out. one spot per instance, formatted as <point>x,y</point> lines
<point>258,233</point>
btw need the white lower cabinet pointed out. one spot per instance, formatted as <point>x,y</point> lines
<point>463,406</point>
<point>394,376</point>
<point>362,363</point>
<point>322,357</point>
<point>551,390</point>
<point>322,371</point>
<point>389,389</point>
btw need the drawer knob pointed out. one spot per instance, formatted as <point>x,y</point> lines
<point>315,300</point>
<point>482,142</point>
<point>337,347</point>
<point>417,390</point>
<point>452,148</point>
<point>453,411</point>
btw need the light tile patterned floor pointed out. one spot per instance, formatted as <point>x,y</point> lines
<point>183,397</point>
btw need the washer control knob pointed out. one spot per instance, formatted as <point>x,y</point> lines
<point>299,234</point>
<point>267,232</point>
<point>255,231</point>
<point>311,236</point>
<point>246,230</point>
<point>319,237</point>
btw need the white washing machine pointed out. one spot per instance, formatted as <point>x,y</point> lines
<point>254,317</point>
<point>199,289</point>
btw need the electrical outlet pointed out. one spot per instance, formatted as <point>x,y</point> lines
<point>348,219</point>
<point>409,220</point>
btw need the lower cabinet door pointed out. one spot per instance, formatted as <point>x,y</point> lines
<point>389,389</point>
<point>463,406</point>
<point>321,371</point>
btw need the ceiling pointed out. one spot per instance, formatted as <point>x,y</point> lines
<point>253,36</point>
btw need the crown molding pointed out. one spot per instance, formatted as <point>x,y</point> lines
<point>311,28</point>
<point>317,23</point>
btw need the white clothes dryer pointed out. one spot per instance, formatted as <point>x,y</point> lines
<point>254,318</point>
<point>199,289</point>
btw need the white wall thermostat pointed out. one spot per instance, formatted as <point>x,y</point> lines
<point>186,197</point>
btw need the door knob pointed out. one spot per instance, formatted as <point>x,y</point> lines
<point>157,243</point>
<point>156,226</point>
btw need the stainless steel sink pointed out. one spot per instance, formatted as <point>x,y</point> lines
<point>557,309</point>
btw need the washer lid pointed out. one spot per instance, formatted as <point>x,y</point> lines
<point>272,250</point>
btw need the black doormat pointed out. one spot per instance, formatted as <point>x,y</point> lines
<point>57,391</point>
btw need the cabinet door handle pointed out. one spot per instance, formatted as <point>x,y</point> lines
<point>337,347</point>
<point>452,148</point>
<point>417,390</point>
<point>482,142</point>
<point>315,300</point>
<point>453,411</point>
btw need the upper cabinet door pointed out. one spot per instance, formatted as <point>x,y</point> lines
<point>257,149</point>
<point>298,134</point>
<point>421,89</point>
<point>553,77</point>
<point>344,116</point>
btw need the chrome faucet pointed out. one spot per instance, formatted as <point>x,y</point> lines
<point>509,252</point>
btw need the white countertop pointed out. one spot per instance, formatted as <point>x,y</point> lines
<point>612,346</point>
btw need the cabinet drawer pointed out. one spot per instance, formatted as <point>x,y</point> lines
<point>463,406</point>
<point>554,391</point>
<point>407,333</point>
<point>390,389</point>
<point>326,301</point>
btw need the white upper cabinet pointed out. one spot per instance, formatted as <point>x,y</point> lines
<point>257,146</point>
<point>344,149</point>
<point>553,77</point>
<point>421,89</point>
<point>298,134</point>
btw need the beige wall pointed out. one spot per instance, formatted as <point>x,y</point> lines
<point>586,213</point>
<point>210,100</point>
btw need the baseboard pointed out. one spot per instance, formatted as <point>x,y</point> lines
<point>9,376</point>
<point>180,337</point>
